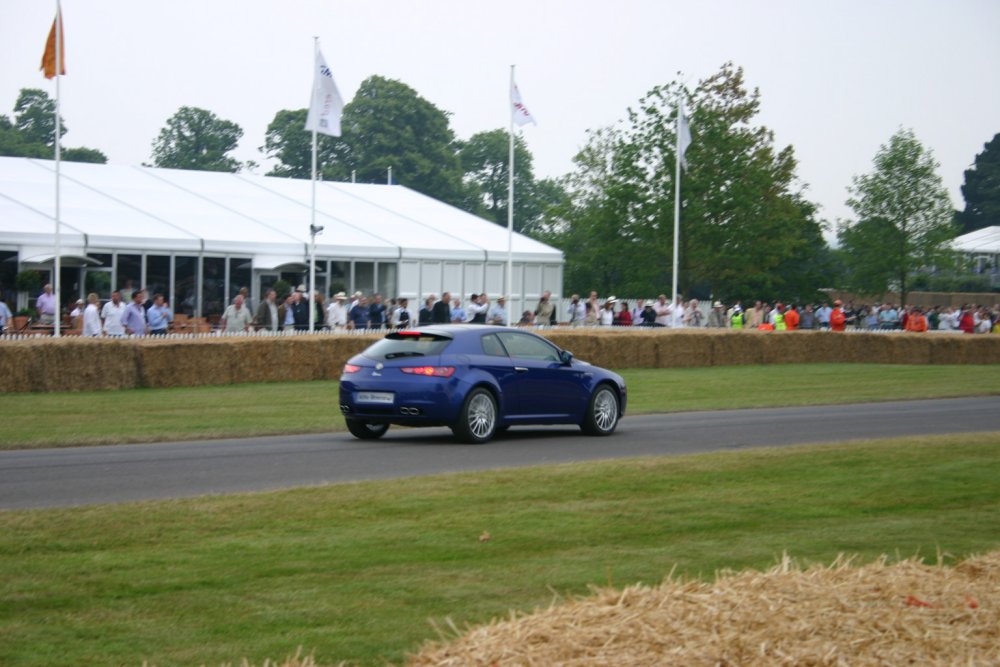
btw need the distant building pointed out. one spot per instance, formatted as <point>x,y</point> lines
<point>198,237</point>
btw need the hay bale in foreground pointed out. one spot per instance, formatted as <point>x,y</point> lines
<point>906,613</point>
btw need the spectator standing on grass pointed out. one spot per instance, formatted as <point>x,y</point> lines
<point>576,312</point>
<point>301,309</point>
<point>607,315</point>
<point>717,316</point>
<point>402,318</point>
<point>134,319</point>
<point>159,316</point>
<point>823,315</point>
<point>623,318</point>
<point>916,321</point>
<point>838,319</point>
<point>498,313</point>
<point>336,312</point>
<point>441,311</point>
<point>357,318</point>
<point>663,310</point>
<point>637,313</point>
<point>737,318</point>
<point>888,317</point>
<point>807,318</point>
<point>792,318</point>
<point>425,314</point>
<point>545,311</point>
<point>376,312</point>
<point>458,314</point>
<point>112,314</point>
<point>91,317</point>
<point>45,305</point>
<point>267,313</point>
<point>237,316</point>
<point>692,314</point>
<point>755,316</point>
<point>5,316</point>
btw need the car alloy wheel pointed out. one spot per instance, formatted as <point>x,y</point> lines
<point>602,412</point>
<point>477,421</point>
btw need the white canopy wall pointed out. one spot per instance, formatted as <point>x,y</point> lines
<point>113,208</point>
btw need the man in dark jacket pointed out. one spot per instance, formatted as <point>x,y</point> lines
<point>441,312</point>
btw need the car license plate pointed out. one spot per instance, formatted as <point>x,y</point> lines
<point>382,397</point>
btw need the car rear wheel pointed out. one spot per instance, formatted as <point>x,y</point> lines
<point>477,421</point>
<point>366,430</point>
<point>602,412</point>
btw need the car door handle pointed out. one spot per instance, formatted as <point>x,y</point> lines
<point>520,369</point>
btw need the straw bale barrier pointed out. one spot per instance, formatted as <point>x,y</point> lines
<point>906,613</point>
<point>72,363</point>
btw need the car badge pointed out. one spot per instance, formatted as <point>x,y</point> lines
<point>379,366</point>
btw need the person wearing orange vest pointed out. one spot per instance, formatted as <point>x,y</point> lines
<point>837,317</point>
<point>792,318</point>
<point>916,321</point>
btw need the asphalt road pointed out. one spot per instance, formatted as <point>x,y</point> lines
<point>97,475</point>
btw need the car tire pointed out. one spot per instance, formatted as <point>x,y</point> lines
<point>366,430</point>
<point>477,420</point>
<point>602,412</point>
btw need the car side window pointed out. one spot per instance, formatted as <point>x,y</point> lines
<point>492,346</point>
<point>528,347</point>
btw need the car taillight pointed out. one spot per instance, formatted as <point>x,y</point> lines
<point>430,371</point>
<point>351,368</point>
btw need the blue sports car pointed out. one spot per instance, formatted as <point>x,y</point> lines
<point>477,380</point>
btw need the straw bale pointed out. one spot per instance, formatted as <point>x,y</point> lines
<point>69,364</point>
<point>683,349</point>
<point>736,348</point>
<point>843,614</point>
<point>911,348</point>
<point>185,363</point>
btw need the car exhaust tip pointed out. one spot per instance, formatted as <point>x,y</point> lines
<point>406,410</point>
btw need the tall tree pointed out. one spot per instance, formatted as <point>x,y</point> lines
<point>485,159</point>
<point>981,190</point>
<point>194,138</point>
<point>288,142</point>
<point>744,222</point>
<point>904,218</point>
<point>388,124</point>
<point>35,117</point>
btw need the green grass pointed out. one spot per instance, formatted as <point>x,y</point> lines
<point>151,415</point>
<point>357,572</point>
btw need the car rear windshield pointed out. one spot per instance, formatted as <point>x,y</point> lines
<point>408,344</point>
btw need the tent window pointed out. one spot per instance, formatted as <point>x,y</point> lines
<point>213,293</point>
<point>158,275</point>
<point>129,275</point>
<point>186,277</point>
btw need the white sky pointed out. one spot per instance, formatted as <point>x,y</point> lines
<point>837,78</point>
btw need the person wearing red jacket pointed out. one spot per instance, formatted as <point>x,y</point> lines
<point>916,321</point>
<point>966,322</point>
<point>837,317</point>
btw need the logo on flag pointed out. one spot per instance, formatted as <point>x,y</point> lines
<point>327,105</point>
<point>520,112</point>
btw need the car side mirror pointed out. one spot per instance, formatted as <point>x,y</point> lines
<point>566,357</point>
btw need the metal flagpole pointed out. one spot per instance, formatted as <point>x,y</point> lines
<point>677,204</point>
<point>510,205</point>
<point>312,220</point>
<point>57,263</point>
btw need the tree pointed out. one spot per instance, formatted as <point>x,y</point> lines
<point>290,144</point>
<point>981,190</point>
<point>35,117</point>
<point>197,139</point>
<point>91,155</point>
<point>388,124</point>
<point>485,159</point>
<point>746,230</point>
<point>904,219</point>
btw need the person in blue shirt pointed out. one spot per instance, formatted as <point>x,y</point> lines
<point>159,316</point>
<point>357,318</point>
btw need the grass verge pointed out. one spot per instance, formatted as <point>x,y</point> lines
<point>355,572</point>
<point>156,415</point>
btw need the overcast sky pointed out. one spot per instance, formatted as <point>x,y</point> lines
<point>837,78</point>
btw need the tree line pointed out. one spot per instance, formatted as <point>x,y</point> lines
<point>748,230</point>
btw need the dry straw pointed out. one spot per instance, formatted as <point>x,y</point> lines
<point>906,613</point>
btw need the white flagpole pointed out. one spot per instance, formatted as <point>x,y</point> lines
<point>677,203</point>
<point>57,263</point>
<point>312,220</point>
<point>510,205</point>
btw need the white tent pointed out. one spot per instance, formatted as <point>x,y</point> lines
<point>983,250</point>
<point>384,238</point>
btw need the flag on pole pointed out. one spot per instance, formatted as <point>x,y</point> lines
<point>327,105</point>
<point>49,57</point>
<point>683,136</point>
<point>520,112</point>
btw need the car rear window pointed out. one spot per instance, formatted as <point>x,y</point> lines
<point>408,344</point>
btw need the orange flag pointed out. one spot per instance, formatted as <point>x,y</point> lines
<point>49,57</point>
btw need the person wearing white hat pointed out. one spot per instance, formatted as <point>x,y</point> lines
<point>336,312</point>
<point>608,312</point>
<point>717,317</point>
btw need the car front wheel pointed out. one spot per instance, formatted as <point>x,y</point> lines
<point>366,430</point>
<point>477,421</point>
<point>602,412</point>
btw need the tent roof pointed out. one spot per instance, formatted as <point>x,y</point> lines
<point>143,208</point>
<point>985,240</point>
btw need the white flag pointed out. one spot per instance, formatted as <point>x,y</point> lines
<point>520,112</point>
<point>683,136</point>
<point>326,106</point>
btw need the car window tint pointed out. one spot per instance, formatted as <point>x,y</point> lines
<point>527,346</point>
<point>395,346</point>
<point>492,346</point>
